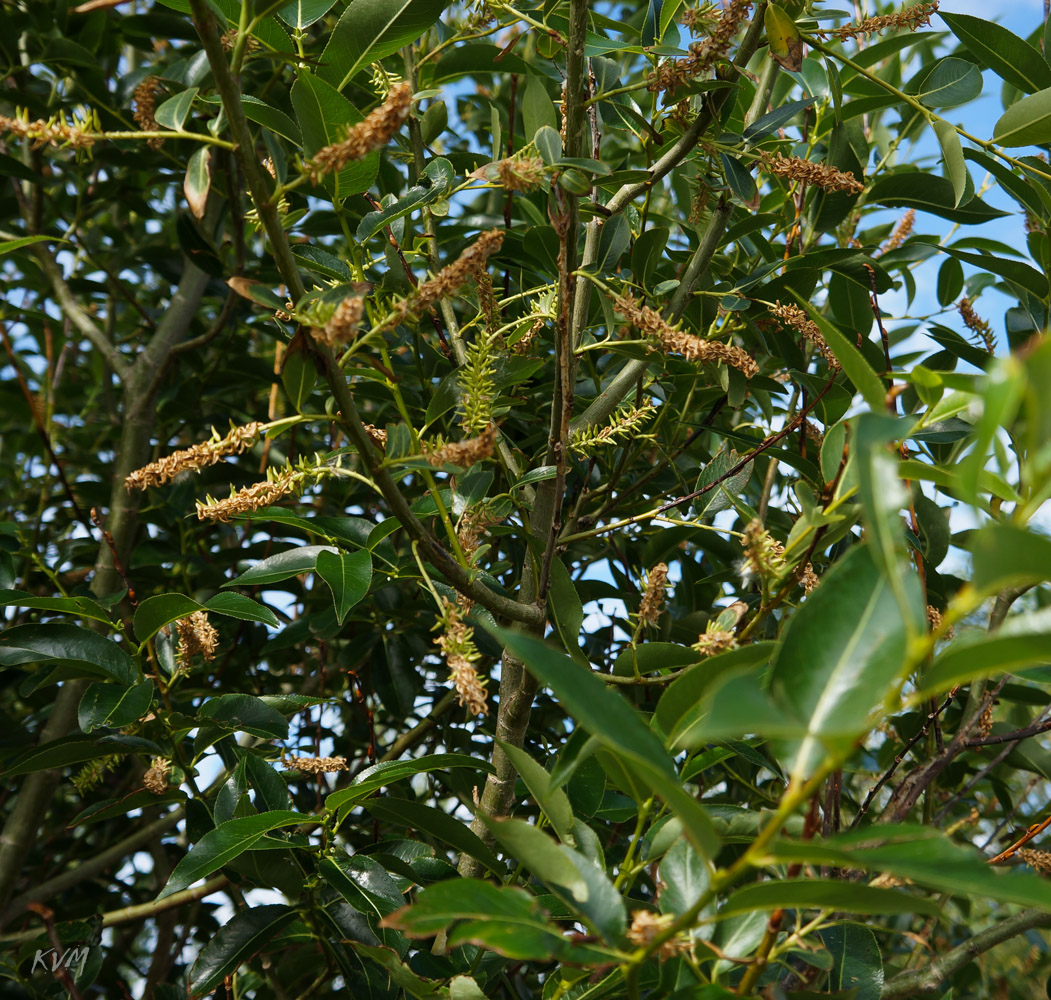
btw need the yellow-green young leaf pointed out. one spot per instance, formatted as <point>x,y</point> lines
<point>174,111</point>
<point>952,157</point>
<point>786,44</point>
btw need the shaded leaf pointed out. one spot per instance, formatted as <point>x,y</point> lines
<point>236,942</point>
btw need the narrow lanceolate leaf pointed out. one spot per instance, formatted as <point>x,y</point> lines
<point>856,368</point>
<point>807,894</point>
<point>609,717</point>
<point>1011,58</point>
<point>843,652</point>
<point>91,652</point>
<point>348,575</point>
<point>1026,123</point>
<point>370,30</point>
<point>226,842</point>
<point>1007,555</point>
<point>552,800</point>
<point>952,157</point>
<point>1023,642</point>
<point>291,562</point>
<point>8,246</point>
<point>236,942</point>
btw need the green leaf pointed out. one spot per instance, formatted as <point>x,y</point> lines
<point>247,714</point>
<point>567,609</point>
<point>951,83</point>
<point>1008,56</point>
<point>324,116</point>
<point>292,562</point>
<point>9,246</point>
<point>198,181</point>
<point>952,157</point>
<point>113,705</point>
<point>370,30</point>
<point>172,114</point>
<point>539,853</point>
<point>859,965</point>
<point>786,44</point>
<point>1024,641</point>
<point>857,369</point>
<point>740,180</point>
<point>1008,555</point>
<point>552,800</point>
<point>401,974</point>
<point>926,857</point>
<point>74,750</point>
<point>928,193</point>
<point>363,882</point>
<point>1025,123</point>
<point>617,725</point>
<point>613,241</point>
<point>445,828</point>
<point>1013,270</point>
<point>299,374</point>
<point>1001,393</point>
<point>842,653</point>
<point>386,773</point>
<point>321,262</point>
<point>67,644</point>
<point>348,576</point>
<point>684,876</point>
<point>226,842</point>
<point>156,612</point>
<point>303,13</point>
<point>826,894</point>
<point>263,114</point>
<point>238,606</point>
<point>237,941</point>
<point>680,707</point>
<point>950,282</point>
<point>538,110</point>
<point>83,607</point>
<point>505,919</point>
<point>439,172</point>
<point>536,475</point>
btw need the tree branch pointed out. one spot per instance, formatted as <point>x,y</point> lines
<point>928,980</point>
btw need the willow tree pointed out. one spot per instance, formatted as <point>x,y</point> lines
<point>523,500</point>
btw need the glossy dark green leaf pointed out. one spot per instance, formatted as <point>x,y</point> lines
<point>842,653</point>
<point>348,575</point>
<point>649,657</point>
<point>1011,58</point>
<point>237,941</point>
<point>1008,555</point>
<point>299,374</point>
<point>446,829</point>
<point>264,114</point>
<point>74,750</point>
<point>363,882</point>
<point>613,241</point>
<point>93,653</point>
<point>829,894</point>
<point>1013,270</point>
<point>238,606</point>
<point>538,110</point>
<point>386,773</point>
<point>685,876</point>
<point>1023,641</point>
<point>680,706</point>
<point>370,30</point>
<point>172,114</point>
<point>858,963</point>
<point>608,716</point>
<point>950,281</point>
<point>951,83</point>
<point>113,705</point>
<point>552,800</point>
<point>566,608</point>
<point>439,172</point>
<point>274,569</point>
<point>506,919</point>
<point>82,607</point>
<point>401,973</point>
<point>928,193</point>
<point>324,116</point>
<point>303,13</point>
<point>740,180</point>
<point>226,842</point>
<point>156,612</point>
<point>769,123</point>
<point>245,713</point>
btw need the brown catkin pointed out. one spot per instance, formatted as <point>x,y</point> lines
<point>645,926</point>
<point>367,136</point>
<point>821,175</point>
<point>465,453</point>
<point>674,341</point>
<point>704,54</point>
<point>315,765</point>
<point>198,456</point>
<point>902,231</point>
<point>976,324</point>
<point>794,318</point>
<point>248,499</point>
<point>196,635</point>
<point>343,326</point>
<point>911,17</point>
<point>653,596</point>
<point>145,98</point>
<point>155,779</point>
